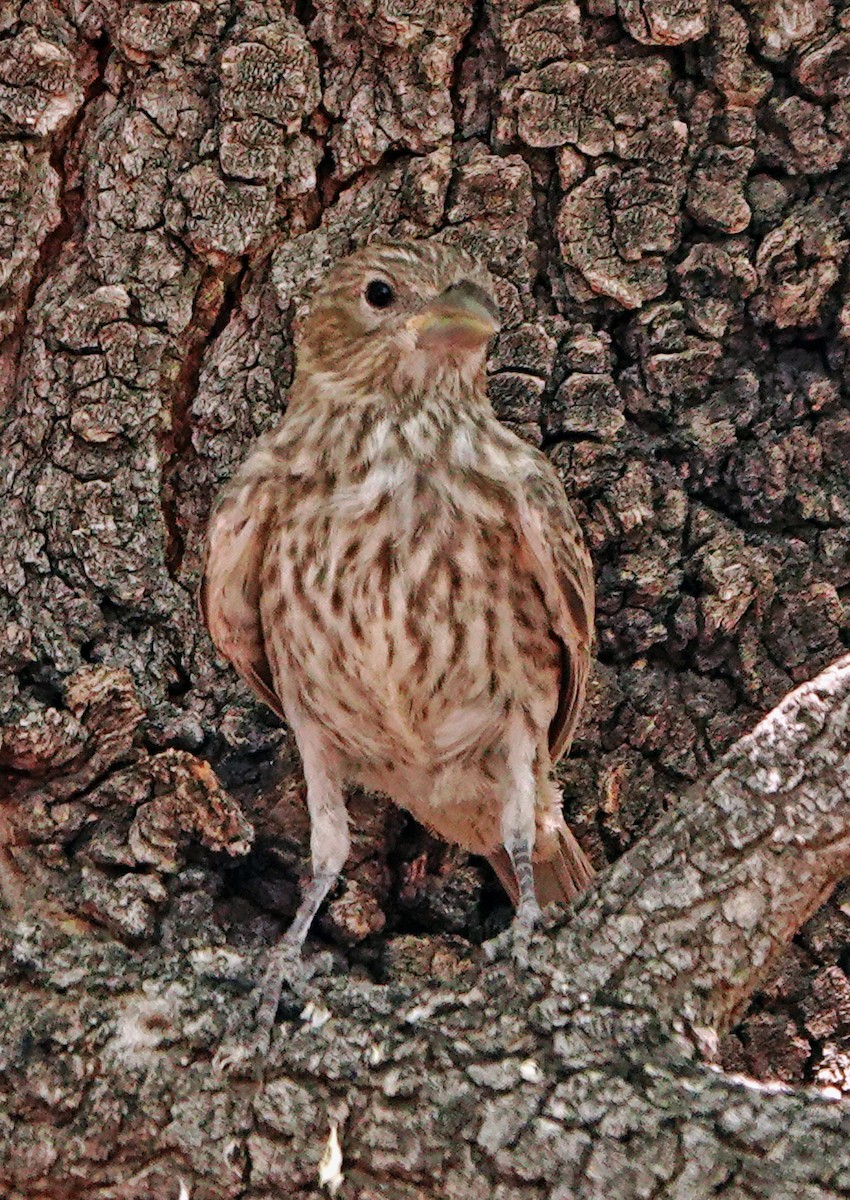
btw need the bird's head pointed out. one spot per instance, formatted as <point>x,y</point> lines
<point>398,318</point>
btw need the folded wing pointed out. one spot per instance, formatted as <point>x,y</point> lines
<point>553,542</point>
<point>230,589</point>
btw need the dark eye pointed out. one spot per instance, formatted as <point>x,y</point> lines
<point>379,293</point>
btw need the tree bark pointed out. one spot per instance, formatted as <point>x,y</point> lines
<point>661,191</point>
<point>581,1078</point>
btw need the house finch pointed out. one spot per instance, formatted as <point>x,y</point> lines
<point>403,580</point>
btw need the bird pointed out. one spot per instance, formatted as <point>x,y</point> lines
<point>401,578</point>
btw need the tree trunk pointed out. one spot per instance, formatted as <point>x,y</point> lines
<point>661,191</point>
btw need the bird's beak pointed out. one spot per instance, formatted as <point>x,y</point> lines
<point>462,317</point>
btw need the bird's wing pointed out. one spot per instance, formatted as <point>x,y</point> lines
<point>229,595</point>
<point>553,542</point>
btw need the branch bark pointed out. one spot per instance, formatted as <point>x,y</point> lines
<point>582,1079</point>
<point>660,190</point>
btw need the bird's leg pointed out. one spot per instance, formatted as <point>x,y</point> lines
<point>519,828</point>
<point>528,910</point>
<point>329,845</point>
<point>285,964</point>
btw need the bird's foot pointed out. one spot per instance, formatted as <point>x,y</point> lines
<point>239,1059</point>
<point>287,971</point>
<point>514,941</point>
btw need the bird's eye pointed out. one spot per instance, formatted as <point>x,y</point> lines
<point>379,294</point>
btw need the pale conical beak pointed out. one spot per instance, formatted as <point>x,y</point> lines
<point>462,317</point>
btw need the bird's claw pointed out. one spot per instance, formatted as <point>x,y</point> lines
<point>286,971</point>
<point>514,941</point>
<point>289,971</point>
<point>236,1058</point>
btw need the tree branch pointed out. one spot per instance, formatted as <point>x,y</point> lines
<point>574,1081</point>
<point>690,921</point>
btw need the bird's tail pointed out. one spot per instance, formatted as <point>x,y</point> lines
<point>559,878</point>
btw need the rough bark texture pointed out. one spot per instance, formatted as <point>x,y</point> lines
<point>661,189</point>
<point>581,1079</point>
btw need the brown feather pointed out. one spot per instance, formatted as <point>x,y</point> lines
<point>229,594</point>
<point>560,879</point>
<point>404,578</point>
<point>565,573</point>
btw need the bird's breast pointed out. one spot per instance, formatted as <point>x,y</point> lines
<point>402,615</point>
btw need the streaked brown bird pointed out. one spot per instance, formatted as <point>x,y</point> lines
<point>403,580</point>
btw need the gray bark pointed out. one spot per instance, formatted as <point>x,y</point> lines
<point>584,1077</point>
<point>661,190</point>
